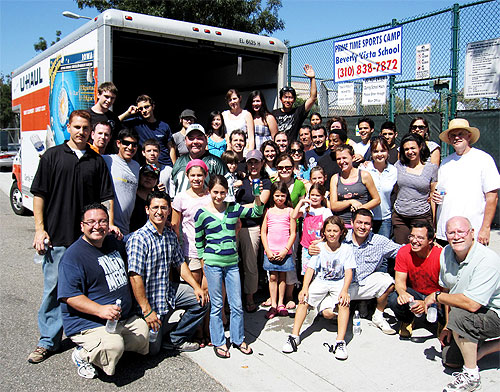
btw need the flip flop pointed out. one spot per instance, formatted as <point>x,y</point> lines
<point>218,350</point>
<point>271,313</point>
<point>282,311</point>
<point>246,347</point>
<point>290,305</point>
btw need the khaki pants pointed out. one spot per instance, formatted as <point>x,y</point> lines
<point>104,349</point>
<point>249,240</point>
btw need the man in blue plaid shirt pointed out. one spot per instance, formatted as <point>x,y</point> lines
<point>151,251</point>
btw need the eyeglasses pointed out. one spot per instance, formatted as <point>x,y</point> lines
<point>415,127</point>
<point>127,143</point>
<point>92,223</point>
<point>145,107</point>
<point>457,233</point>
<point>419,238</point>
<point>282,168</point>
<point>296,151</point>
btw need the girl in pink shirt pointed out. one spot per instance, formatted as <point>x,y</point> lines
<point>278,246</point>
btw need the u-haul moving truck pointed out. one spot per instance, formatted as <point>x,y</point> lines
<point>180,64</point>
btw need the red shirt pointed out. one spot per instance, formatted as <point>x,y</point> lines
<point>423,274</point>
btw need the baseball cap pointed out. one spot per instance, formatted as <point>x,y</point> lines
<point>195,127</point>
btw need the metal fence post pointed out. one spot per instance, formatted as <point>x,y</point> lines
<point>289,66</point>
<point>392,90</point>
<point>455,29</point>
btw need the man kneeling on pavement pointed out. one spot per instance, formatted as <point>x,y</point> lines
<point>92,277</point>
<point>470,277</point>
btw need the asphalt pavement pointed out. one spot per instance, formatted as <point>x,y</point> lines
<point>376,362</point>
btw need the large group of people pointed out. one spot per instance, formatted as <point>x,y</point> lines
<point>140,222</point>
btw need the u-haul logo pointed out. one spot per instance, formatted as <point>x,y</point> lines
<point>31,79</point>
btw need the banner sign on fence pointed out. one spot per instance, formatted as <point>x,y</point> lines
<point>368,56</point>
<point>482,69</point>
<point>423,62</point>
<point>345,94</point>
<point>374,91</point>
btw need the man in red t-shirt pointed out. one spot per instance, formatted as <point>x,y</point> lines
<point>417,275</point>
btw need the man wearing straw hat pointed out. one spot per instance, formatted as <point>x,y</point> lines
<point>468,181</point>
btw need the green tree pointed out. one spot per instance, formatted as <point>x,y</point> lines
<point>41,45</point>
<point>7,116</point>
<point>242,15</point>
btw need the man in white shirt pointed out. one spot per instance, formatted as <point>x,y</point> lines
<point>468,182</point>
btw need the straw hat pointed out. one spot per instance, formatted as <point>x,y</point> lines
<point>460,123</point>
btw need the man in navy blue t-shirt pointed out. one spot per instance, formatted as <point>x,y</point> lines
<point>148,127</point>
<point>92,277</point>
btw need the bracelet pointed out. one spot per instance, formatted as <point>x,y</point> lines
<point>146,316</point>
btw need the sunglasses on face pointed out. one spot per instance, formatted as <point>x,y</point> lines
<point>127,143</point>
<point>296,151</point>
<point>282,168</point>
<point>415,127</point>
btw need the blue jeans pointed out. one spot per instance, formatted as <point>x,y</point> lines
<point>384,227</point>
<point>50,316</point>
<point>189,322</point>
<point>231,277</point>
<point>403,312</point>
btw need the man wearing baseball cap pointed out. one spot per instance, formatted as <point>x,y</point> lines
<point>196,144</point>
<point>468,182</point>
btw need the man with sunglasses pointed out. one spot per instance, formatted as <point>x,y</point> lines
<point>69,176</point>
<point>470,276</point>
<point>417,275</point>
<point>148,126</point>
<point>124,173</point>
<point>290,118</point>
<point>468,182</point>
<point>92,276</point>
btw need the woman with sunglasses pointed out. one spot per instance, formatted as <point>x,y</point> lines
<point>238,118</point>
<point>265,125</point>
<point>352,189</point>
<point>420,126</point>
<point>300,169</point>
<point>416,180</point>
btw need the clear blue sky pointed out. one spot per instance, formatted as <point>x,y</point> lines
<point>23,21</point>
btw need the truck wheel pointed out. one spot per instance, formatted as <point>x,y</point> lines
<point>16,200</point>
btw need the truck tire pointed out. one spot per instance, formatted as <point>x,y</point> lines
<point>16,200</point>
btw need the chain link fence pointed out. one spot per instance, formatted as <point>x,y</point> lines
<point>448,31</point>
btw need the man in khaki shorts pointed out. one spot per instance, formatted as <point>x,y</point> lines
<point>92,277</point>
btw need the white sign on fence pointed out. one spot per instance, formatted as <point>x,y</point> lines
<point>376,54</point>
<point>423,62</point>
<point>374,91</point>
<point>345,94</point>
<point>482,69</point>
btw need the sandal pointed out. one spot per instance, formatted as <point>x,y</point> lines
<point>266,303</point>
<point>251,307</point>
<point>282,311</point>
<point>222,352</point>
<point>271,313</point>
<point>244,348</point>
<point>290,305</point>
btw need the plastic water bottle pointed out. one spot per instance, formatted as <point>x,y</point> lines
<point>38,258</point>
<point>442,192</point>
<point>356,323</point>
<point>153,335</point>
<point>432,313</point>
<point>411,304</point>
<point>111,324</point>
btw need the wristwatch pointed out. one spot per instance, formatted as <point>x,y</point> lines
<point>436,296</point>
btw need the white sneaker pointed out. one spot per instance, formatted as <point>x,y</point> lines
<point>85,369</point>
<point>291,344</point>
<point>382,323</point>
<point>463,382</point>
<point>340,350</point>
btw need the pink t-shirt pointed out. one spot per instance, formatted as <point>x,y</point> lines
<point>188,206</point>
<point>313,222</point>
<point>278,229</point>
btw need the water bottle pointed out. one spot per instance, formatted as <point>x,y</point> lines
<point>442,192</point>
<point>413,302</point>
<point>356,323</point>
<point>432,313</point>
<point>38,258</point>
<point>153,335</point>
<point>111,324</point>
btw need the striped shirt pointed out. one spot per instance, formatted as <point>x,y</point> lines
<point>150,254</point>
<point>370,253</point>
<point>216,237</point>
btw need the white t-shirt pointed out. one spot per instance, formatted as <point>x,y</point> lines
<point>331,265</point>
<point>465,179</point>
<point>361,149</point>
